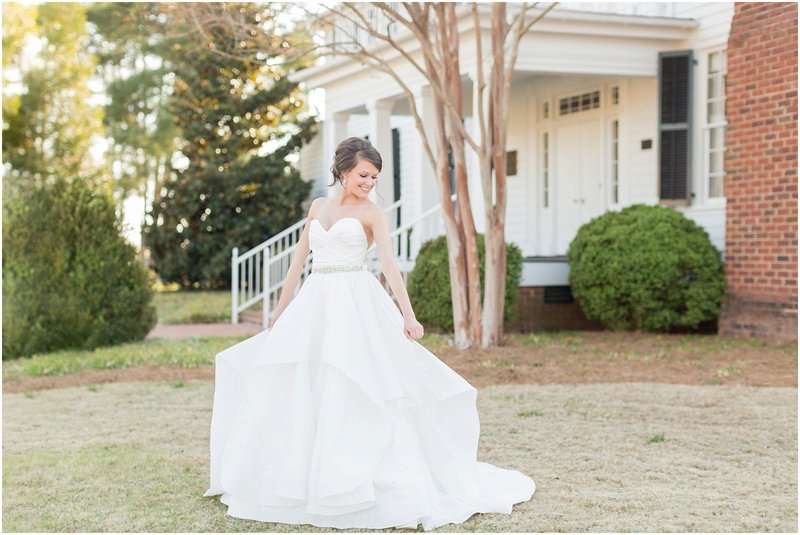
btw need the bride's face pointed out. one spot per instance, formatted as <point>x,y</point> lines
<point>361,179</point>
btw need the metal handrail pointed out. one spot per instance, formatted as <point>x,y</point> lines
<point>403,234</point>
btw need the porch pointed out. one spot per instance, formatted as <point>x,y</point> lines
<point>585,85</point>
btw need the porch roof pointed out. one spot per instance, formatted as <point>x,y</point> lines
<point>557,27</point>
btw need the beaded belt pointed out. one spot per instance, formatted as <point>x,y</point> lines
<point>336,268</point>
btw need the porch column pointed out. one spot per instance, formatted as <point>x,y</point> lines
<point>380,135</point>
<point>474,179</point>
<point>424,189</point>
<point>335,132</point>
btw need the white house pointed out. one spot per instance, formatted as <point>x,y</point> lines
<point>612,104</point>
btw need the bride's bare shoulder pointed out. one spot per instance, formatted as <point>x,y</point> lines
<point>375,214</point>
<point>315,206</point>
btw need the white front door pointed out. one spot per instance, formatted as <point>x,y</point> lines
<point>579,178</point>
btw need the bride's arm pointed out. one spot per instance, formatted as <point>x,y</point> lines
<point>298,261</point>
<point>380,230</point>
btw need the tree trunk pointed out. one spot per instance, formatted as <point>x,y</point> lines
<point>455,251</point>
<point>476,320</point>
<point>465,223</point>
<point>495,241</point>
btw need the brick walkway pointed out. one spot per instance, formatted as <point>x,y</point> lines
<point>177,332</point>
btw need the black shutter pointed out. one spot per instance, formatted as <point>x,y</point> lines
<point>396,170</point>
<point>675,113</point>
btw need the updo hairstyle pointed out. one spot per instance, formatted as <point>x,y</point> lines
<point>348,153</point>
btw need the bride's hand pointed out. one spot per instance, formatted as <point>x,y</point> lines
<point>412,329</point>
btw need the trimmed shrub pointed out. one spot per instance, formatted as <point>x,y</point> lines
<point>646,267</point>
<point>70,278</point>
<point>429,283</point>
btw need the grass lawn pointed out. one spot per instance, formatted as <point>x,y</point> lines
<point>194,306</point>
<point>627,457</point>
<point>533,358</point>
<point>620,431</point>
<point>187,353</point>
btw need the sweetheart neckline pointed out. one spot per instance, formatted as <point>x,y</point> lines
<point>327,230</point>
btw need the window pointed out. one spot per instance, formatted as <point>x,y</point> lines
<point>558,294</point>
<point>715,127</point>
<point>578,103</point>
<point>545,169</point>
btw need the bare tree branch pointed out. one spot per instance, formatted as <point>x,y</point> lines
<point>522,29</point>
<point>537,19</point>
<point>373,60</point>
<point>435,82</point>
<point>481,81</point>
<point>522,12</point>
<point>202,22</point>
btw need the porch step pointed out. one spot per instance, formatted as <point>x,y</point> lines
<point>250,316</point>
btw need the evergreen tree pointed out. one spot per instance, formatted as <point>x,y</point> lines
<point>49,119</point>
<point>239,122</point>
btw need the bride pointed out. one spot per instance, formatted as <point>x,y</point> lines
<point>335,415</point>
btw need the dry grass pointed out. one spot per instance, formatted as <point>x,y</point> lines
<point>605,457</point>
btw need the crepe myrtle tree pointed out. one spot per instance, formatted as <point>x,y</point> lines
<point>434,27</point>
<point>371,34</point>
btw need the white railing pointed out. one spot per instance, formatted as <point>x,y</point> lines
<point>258,274</point>
<point>406,241</point>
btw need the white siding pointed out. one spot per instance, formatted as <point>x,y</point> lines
<point>519,214</point>
<point>407,128</point>
<point>358,125</point>
<point>311,165</point>
<point>713,220</point>
<point>639,180</point>
<point>715,21</point>
<point>647,9</point>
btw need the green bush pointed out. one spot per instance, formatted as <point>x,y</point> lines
<point>70,278</point>
<point>646,267</point>
<point>429,283</point>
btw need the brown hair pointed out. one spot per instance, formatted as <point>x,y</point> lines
<point>347,154</point>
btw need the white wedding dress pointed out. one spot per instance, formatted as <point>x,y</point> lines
<point>334,418</point>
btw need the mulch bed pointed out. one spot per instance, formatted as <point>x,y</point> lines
<point>585,357</point>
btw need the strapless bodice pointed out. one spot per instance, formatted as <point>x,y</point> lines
<point>345,243</point>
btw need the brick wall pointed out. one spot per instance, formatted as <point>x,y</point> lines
<point>533,314</point>
<point>761,172</point>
